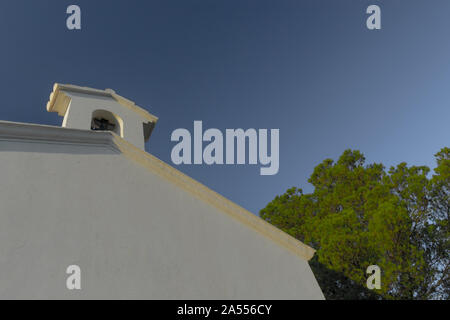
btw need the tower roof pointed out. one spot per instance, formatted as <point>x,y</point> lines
<point>59,101</point>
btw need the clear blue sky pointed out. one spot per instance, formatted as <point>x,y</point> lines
<point>310,68</point>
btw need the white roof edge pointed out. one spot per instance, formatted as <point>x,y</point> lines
<point>35,132</point>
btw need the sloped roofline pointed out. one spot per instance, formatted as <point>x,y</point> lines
<point>53,106</point>
<point>13,131</point>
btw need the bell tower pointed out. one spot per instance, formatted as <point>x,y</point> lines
<point>101,110</point>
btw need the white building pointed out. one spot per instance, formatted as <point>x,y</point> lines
<point>136,227</point>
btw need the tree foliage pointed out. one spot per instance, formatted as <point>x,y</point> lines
<point>360,214</point>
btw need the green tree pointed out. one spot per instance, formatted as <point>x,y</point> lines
<point>360,215</point>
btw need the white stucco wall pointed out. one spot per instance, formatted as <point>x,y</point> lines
<point>134,234</point>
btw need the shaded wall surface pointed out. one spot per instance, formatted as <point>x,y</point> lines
<point>133,234</point>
